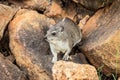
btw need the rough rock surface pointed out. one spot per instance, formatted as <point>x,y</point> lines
<point>39,5</point>
<point>63,70</point>
<point>9,71</point>
<point>97,3</point>
<point>6,14</point>
<point>56,9</point>
<point>59,9</point>
<point>101,42</point>
<point>27,43</point>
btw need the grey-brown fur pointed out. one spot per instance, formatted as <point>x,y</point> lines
<point>62,37</point>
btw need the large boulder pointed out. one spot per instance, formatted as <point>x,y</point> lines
<point>57,11</point>
<point>60,9</point>
<point>94,4</point>
<point>63,70</point>
<point>39,5</point>
<point>9,71</point>
<point>6,14</point>
<point>101,43</point>
<point>27,43</point>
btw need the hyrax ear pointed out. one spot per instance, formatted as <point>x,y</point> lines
<point>61,28</point>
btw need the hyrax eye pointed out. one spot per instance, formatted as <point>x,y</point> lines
<point>53,33</point>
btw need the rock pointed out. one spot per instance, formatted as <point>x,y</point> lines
<point>39,5</point>
<point>9,71</point>
<point>56,11</point>
<point>6,14</point>
<point>69,9</point>
<point>97,3</point>
<point>27,43</point>
<point>63,70</point>
<point>101,42</point>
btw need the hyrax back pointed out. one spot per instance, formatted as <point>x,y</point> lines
<point>62,37</point>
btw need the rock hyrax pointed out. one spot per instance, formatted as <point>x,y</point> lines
<point>62,37</point>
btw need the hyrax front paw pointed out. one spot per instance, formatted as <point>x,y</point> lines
<point>65,57</point>
<point>54,60</point>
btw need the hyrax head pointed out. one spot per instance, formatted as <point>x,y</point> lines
<point>54,33</point>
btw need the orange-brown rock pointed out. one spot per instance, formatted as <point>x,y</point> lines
<point>63,70</point>
<point>9,71</point>
<point>66,8</point>
<point>101,43</point>
<point>27,43</point>
<point>6,14</point>
<point>56,11</point>
<point>39,5</point>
